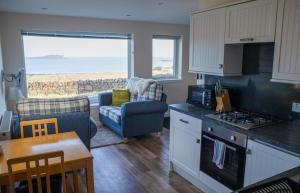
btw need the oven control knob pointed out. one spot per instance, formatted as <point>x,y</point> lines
<point>232,138</point>
<point>210,129</point>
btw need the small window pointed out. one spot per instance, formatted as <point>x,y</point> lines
<point>165,57</point>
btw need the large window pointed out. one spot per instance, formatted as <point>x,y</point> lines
<point>165,57</point>
<point>63,65</point>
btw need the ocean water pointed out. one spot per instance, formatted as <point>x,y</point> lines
<point>82,65</point>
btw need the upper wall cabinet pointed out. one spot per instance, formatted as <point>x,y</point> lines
<point>251,22</point>
<point>207,45</point>
<point>286,66</point>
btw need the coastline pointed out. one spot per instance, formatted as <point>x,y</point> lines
<point>74,77</point>
<point>75,84</point>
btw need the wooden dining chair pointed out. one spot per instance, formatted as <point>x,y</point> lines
<point>39,127</point>
<point>39,172</point>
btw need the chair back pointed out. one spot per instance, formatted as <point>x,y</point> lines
<point>39,127</point>
<point>40,170</point>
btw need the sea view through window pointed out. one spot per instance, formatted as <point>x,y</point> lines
<point>59,66</point>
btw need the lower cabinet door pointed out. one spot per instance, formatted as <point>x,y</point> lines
<point>186,150</point>
<point>263,162</point>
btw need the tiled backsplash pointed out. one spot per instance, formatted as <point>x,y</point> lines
<point>254,91</point>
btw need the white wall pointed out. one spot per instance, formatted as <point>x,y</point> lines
<point>11,25</point>
<point>2,88</point>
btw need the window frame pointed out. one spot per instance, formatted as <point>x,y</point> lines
<point>129,37</point>
<point>176,56</point>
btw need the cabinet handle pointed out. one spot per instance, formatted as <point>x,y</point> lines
<point>198,141</point>
<point>220,66</point>
<point>247,39</point>
<point>184,121</point>
<point>233,138</point>
<point>248,152</point>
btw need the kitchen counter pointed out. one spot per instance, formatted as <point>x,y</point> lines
<point>283,136</point>
<point>191,110</point>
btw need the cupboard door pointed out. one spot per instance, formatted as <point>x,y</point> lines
<point>263,162</point>
<point>186,150</point>
<point>287,47</point>
<point>251,22</point>
<point>207,42</point>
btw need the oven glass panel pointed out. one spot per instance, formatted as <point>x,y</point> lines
<point>232,175</point>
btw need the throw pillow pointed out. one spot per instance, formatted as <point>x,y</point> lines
<point>120,96</point>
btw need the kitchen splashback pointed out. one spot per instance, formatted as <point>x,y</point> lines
<point>253,91</point>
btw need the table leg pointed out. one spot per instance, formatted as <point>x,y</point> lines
<point>90,176</point>
<point>75,181</point>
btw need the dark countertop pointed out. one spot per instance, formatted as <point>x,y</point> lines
<point>284,136</point>
<point>191,110</point>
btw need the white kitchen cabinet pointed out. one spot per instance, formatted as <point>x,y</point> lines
<point>251,22</point>
<point>263,162</point>
<point>185,143</point>
<point>208,53</point>
<point>286,66</point>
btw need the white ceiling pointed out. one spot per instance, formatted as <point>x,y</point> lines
<point>164,11</point>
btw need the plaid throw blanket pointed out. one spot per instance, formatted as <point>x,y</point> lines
<point>41,107</point>
<point>153,93</point>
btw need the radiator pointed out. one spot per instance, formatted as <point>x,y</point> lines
<point>5,126</point>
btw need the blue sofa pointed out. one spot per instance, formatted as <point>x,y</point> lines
<point>138,117</point>
<point>73,114</point>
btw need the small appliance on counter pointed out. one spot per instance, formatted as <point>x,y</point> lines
<point>202,96</point>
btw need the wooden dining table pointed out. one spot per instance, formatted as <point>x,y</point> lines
<point>76,156</point>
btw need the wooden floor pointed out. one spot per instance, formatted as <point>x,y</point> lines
<point>140,166</point>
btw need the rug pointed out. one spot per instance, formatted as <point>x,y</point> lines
<point>105,137</point>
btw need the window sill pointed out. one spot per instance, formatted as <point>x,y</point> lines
<point>94,105</point>
<point>166,81</point>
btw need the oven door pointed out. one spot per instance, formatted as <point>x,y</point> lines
<point>232,175</point>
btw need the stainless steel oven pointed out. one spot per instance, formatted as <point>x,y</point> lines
<point>232,174</point>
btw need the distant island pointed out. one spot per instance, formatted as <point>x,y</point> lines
<point>48,57</point>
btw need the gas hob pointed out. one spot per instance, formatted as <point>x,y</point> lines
<point>244,120</point>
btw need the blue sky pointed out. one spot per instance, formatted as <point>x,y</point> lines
<point>37,46</point>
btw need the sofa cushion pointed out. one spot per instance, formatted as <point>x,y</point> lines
<point>105,109</point>
<point>120,96</point>
<point>115,115</point>
<point>112,112</point>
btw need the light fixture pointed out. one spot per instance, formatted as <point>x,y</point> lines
<point>14,89</point>
<point>9,77</point>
